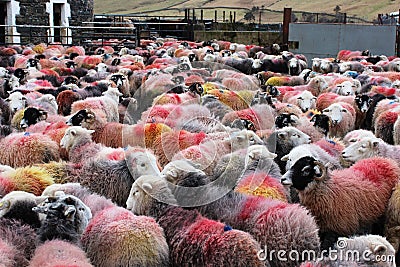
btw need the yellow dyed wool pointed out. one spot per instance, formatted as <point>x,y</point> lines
<point>31,179</point>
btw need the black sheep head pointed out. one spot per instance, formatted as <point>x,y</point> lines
<point>363,102</point>
<point>285,119</point>
<point>20,74</point>
<point>71,80</point>
<point>79,117</point>
<point>32,63</point>
<point>32,116</point>
<point>70,64</point>
<point>118,79</point>
<point>196,88</point>
<point>321,122</point>
<point>303,172</point>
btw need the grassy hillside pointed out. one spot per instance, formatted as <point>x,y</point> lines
<point>367,9</point>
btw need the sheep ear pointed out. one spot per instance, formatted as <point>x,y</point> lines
<point>375,143</point>
<point>91,131</point>
<point>285,158</point>
<point>147,187</point>
<point>379,249</point>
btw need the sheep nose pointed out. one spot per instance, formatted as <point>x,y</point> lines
<point>15,109</point>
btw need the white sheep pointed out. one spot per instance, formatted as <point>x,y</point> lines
<point>305,100</point>
<point>368,147</point>
<point>343,118</point>
<point>346,88</point>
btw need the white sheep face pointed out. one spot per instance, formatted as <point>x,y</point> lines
<point>16,101</point>
<point>365,148</point>
<point>257,63</point>
<point>293,136</point>
<point>325,65</point>
<point>144,163</point>
<point>345,66</point>
<point>174,169</point>
<point>3,72</point>
<point>72,134</point>
<point>335,112</point>
<point>306,101</point>
<point>244,139</point>
<point>316,63</point>
<point>346,88</point>
<point>256,152</point>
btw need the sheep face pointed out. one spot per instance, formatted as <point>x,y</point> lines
<point>285,120</point>
<point>143,163</point>
<point>257,152</point>
<point>16,101</point>
<point>325,66</point>
<point>177,168</point>
<point>79,117</point>
<point>101,68</point>
<point>243,139</point>
<point>3,72</point>
<point>396,84</point>
<point>345,66</point>
<point>71,136</point>
<point>365,148</point>
<point>145,191</point>
<point>32,116</point>
<point>118,79</point>
<point>335,112</point>
<point>306,101</point>
<point>315,64</point>
<point>322,122</point>
<point>305,171</point>
<point>293,136</point>
<point>363,102</point>
<point>68,206</point>
<point>346,88</point>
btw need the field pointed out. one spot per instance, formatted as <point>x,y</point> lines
<point>366,9</point>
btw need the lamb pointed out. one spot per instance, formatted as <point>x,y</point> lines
<point>191,237</point>
<point>130,240</point>
<point>23,149</point>
<point>106,105</point>
<point>66,218</point>
<point>59,253</point>
<point>348,216</point>
<point>343,118</point>
<point>368,147</point>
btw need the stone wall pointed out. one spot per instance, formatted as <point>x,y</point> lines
<point>33,12</point>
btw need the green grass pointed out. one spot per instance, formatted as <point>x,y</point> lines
<point>367,9</point>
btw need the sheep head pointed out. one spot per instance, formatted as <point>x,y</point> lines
<point>365,148</point>
<point>178,168</point>
<point>256,152</point>
<point>305,171</point>
<point>32,116</point>
<point>293,136</point>
<point>73,135</point>
<point>16,101</point>
<point>306,101</point>
<point>147,190</point>
<point>335,112</point>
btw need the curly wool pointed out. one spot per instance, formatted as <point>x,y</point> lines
<point>30,179</point>
<point>116,237</point>
<point>20,238</point>
<point>59,253</point>
<point>23,149</point>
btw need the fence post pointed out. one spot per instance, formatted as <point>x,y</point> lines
<point>201,15</point>
<point>215,16</point>
<point>223,16</point>
<point>287,16</point>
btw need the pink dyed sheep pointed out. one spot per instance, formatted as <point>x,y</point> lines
<point>59,253</point>
<point>23,149</point>
<point>343,118</point>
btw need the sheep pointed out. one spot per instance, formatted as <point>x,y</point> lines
<point>351,66</point>
<point>192,238</point>
<point>311,150</point>
<point>16,101</point>
<point>17,243</point>
<point>95,202</point>
<point>122,83</point>
<point>128,165</point>
<point>343,118</point>
<point>23,149</point>
<point>259,159</point>
<point>208,153</point>
<point>346,88</point>
<point>355,136</point>
<point>59,253</point>
<point>368,147</point>
<point>130,240</point>
<point>329,195</point>
<point>305,100</point>
<point>296,66</point>
<point>282,141</point>
<point>17,205</point>
<point>106,105</point>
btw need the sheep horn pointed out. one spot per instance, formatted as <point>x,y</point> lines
<point>323,169</point>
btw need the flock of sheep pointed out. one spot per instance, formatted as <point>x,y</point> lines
<point>180,153</point>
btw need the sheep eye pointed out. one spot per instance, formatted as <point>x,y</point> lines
<point>344,110</point>
<point>143,165</point>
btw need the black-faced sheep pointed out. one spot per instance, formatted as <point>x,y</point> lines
<point>329,195</point>
<point>66,217</point>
